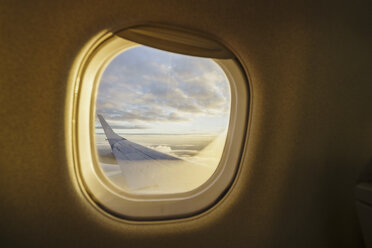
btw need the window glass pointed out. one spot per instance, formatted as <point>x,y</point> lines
<point>161,120</point>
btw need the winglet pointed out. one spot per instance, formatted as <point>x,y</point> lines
<point>112,137</point>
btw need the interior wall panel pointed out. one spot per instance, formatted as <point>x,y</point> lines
<point>309,131</point>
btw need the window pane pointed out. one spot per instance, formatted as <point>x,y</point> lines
<point>169,115</point>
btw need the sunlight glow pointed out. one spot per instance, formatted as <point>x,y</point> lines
<point>174,104</point>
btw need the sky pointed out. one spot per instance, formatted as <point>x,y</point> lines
<point>146,90</point>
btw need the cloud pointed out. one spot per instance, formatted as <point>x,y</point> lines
<point>123,126</point>
<point>129,127</point>
<point>176,117</point>
<point>175,152</point>
<point>145,84</point>
<point>162,148</point>
<point>141,115</point>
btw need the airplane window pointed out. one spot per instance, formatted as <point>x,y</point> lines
<point>161,120</point>
<point>156,121</point>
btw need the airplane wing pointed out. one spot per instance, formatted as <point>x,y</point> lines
<point>144,170</point>
<point>126,150</point>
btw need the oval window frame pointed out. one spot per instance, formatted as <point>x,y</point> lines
<point>80,114</point>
